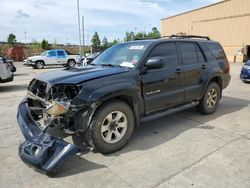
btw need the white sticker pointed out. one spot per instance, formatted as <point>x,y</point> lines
<point>136,47</point>
<point>127,64</point>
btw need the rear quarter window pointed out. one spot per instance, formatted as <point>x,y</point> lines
<point>213,51</point>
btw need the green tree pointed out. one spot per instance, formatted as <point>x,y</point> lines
<point>154,33</point>
<point>35,45</point>
<point>11,39</point>
<point>129,36</point>
<point>140,35</point>
<point>105,43</point>
<point>45,44</point>
<point>95,41</point>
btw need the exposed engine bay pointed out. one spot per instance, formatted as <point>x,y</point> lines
<point>52,106</point>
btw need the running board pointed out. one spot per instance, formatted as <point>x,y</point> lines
<point>168,112</point>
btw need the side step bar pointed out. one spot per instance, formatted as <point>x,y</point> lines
<point>170,111</point>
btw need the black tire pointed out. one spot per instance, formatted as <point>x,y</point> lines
<point>39,65</point>
<point>71,63</point>
<point>210,100</point>
<point>97,137</point>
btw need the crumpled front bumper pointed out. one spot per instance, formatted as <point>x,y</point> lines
<point>41,151</point>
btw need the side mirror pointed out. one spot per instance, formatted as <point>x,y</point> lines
<point>154,63</point>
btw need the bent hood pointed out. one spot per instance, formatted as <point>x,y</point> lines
<point>79,75</point>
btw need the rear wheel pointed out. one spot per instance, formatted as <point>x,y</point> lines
<point>39,65</point>
<point>210,100</point>
<point>112,127</point>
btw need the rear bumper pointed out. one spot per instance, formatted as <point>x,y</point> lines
<point>41,151</point>
<point>226,81</point>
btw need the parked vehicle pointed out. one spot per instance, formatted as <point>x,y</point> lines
<point>11,65</point>
<point>126,84</point>
<point>90,58</point>
<point>5,73</point>
<point>245,72</point>
<point>53,57</point>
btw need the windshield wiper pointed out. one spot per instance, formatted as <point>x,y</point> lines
<point>111,65</point>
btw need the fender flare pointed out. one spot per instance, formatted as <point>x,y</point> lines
<point>118,91</point>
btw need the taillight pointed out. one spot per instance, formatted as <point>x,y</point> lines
<point>227,67</point>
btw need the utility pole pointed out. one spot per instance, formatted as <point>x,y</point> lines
<point>79,27</point>
<point>83,37</point>
<point>25,37</point>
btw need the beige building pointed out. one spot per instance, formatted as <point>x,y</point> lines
<point>227,22</point>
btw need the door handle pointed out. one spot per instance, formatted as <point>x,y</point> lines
<point>178,71</point>
<point>203,66</point>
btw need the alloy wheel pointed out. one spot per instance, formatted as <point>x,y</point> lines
<point>114,127</point>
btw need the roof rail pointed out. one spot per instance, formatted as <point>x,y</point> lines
<point>187,37</point>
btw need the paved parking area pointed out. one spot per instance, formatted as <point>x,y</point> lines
<point>181,150</point>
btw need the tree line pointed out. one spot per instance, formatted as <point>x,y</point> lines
<point>96,43</point>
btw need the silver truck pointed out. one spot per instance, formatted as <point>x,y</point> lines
<point>53,57</point>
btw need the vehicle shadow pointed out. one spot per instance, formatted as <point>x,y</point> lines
<point>13,88</point>
<point>77,165</point>
<point>156,132</point>
<point>21,74</point>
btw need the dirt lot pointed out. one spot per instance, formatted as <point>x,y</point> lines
<point>181,150</point>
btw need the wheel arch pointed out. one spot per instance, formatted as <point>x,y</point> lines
<point>41,61</point>
<point>217,79</point>
<point>129,100</point>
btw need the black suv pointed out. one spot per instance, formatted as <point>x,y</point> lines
<point>126,84</point>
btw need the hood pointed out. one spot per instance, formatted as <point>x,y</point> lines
<point>78,75</point>
<point>35,57</point>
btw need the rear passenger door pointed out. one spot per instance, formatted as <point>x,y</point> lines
<point>61,57</point>
<point>164,87</point>
<point>194,68</point>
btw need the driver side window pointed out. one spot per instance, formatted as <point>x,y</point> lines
<point>51,54</point>
<point>168,52</point>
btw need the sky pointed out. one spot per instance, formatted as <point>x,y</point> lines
<point>56,20</point>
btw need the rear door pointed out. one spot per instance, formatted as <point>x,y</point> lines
<point>61,57</point>
<point>195,68</point>
<point>163,88</point>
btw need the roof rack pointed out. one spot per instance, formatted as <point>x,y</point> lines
<point>186,37</point>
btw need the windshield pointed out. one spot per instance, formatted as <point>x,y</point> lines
<point>44,53</point>
<point>125,55</point>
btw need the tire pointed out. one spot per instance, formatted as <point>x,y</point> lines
<point>107,133</point>
<point>210,100</point>
<point>39,65</point>
<point>71,63</point>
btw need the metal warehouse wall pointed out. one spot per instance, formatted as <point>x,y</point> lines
<point>227,22</point>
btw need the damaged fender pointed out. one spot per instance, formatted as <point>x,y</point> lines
<point>41,151</point>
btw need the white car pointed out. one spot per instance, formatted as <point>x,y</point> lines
<point>53,57</point>
<point>5,73</point>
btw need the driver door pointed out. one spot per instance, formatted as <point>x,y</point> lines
<point>164,87</point>
<point>51,58</point>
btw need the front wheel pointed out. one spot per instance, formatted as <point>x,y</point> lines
<point>71,63</point>
<point>39,65</point>
<point>210,100</point>
<point>112,127</point>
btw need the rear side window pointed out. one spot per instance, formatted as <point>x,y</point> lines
<point>214,51</point>
<point>188,53</point>
<point>168,52</point>
<point>61,53</point>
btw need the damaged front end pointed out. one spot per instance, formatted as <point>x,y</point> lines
<point>44,107</point>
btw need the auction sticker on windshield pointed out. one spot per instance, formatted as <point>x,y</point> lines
<point>136,47</point>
